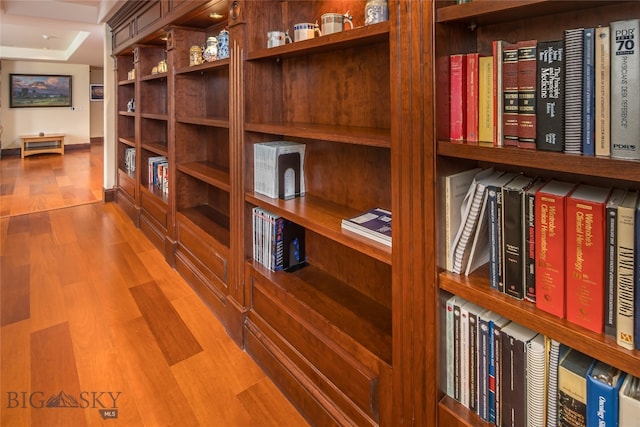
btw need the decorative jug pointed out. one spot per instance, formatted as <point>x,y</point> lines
<point>195,55</point>
<point>376,11</point>
<point>223,44</point>
<point>211,51</point>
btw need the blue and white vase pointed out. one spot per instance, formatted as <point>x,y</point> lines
<point>223,44</point>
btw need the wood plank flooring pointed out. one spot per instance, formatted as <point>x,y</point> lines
<point>96,328</point>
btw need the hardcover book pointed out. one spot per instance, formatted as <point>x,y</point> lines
<point>550,96</point>
<point>602,92</point>
<point>550,248</point>
<point>625,86</point>
<point>473,96</point>
<point>636,292</point>
<point>527,93</point>
<point>374,224</point>
<point>573,45</point>
<point>510,93</point>
<point>498,92</point>
<point>629,401</point>
<point>626,271</point>
<point>279,169</point>
<point>513,234</point>
<point>611,262</point>
<point>473,312</point>
<point>515,342</point>
<point>588,83</point>
<point>572,389</point>
<point>585,225</point>
<point>530,241</point>
<point>494,214</point>
<point>486,370</point>
<point>450,342</point>
<point>485,102</point>
<point>458,97</point>
<point>603,389</point>
<point>495,375</point>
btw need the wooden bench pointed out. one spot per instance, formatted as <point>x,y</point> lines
<point>36,144</point>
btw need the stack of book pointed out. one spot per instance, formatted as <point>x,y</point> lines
<point>130,160</point>
<point>158,173</point>
<point>572,95</point>
<point>278,169</point>
<point>278,243</point>
<point>373,224</point>
<point>511,375</point>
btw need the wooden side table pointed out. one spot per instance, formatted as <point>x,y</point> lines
<point>36,144</point>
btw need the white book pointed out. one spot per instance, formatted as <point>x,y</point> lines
<point>468,217</point>
<point>626,271</point>
<point>455,190</point>
<point>553,355</point>
<point>629,409</point>
<point>267,176</point>
<point>536,361</point>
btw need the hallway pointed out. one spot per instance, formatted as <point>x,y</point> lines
<point>86,338</point>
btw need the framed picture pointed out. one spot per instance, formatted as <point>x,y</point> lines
<point>39,90</point>
<point>96,92</point>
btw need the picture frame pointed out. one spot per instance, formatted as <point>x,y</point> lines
<point>40,90</point>
<point>96,92</point>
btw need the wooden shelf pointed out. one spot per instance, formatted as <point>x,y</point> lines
<point>560,162</point>
<point>453,414</point>
<point>346,39</point>
<point>220,122</point>
<point>207,172</point>
<point>476,288</point>
<point>324,218</point>
<point>159,148</point>
<point>127,113</point>
<point>209,220</point>
<point>126,82</point>
<point>344,134</point>
<point>152,116</point>
<point>204,67</point>
<point>127,141</point>
<point>334,308</point>
<point>153,77</point>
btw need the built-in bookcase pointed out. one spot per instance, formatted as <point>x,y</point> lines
<point>472,27</point>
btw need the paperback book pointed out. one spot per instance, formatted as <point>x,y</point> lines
<point>374,224</point>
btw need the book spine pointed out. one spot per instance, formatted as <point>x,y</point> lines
<point>495,379</point>
<point>636,295</point>
<point>512,235</point>
<point>449,307</point>
<point>625,85</point>
<point>530,247</point>
<point>602,92</point>
<point>550,96</point>
<point>483,366</point>
<point>626,271</point>
<point>485,101</point>
<point>513,376</point>
<point>573,40</point>
<point>588,83</point>
<point>498,95</point>
<point>473,96</point>
<point>550,254</point>
<point>458,94</point>
<point>527,93</point>
<point>611,270</point>
<point>500,234</point>
<point>585,276</point>
<point>510,94</point>
<point>602,403</point>
<point>494,247</point>
<point>464,356</point>
<point>456,351</point>
<point>473,362</point>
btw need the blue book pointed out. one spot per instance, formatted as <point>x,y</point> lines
<point>495,350</point>
<point>485,364</point>
<point>588,94</point>
<point>603,388</point>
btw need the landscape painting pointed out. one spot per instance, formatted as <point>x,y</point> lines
<point>38,90</point>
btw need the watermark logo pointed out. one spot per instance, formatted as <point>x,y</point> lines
<point>106,402</point>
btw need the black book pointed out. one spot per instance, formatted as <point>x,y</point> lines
<point>513,235</point>
<point>550,96</point>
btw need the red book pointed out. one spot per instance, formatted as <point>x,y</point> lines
<point>473,95</point>
<point>585,254</point>
<point>527,93</point>
<point>510,94</point>
<point>458,97</point>
<point>550,246</point>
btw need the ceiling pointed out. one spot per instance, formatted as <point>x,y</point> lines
<point>68,31</point>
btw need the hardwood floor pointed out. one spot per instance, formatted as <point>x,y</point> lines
<point>90,338</point>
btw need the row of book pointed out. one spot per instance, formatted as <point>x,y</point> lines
<point>571,249</point>
<point>512,376</point>
<point>158,173</point>
<point>130,160</point>
<point>278,169</point>
<point>278,243</point>
<point>575,95</point>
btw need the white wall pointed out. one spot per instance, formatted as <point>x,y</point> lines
<point>74,123</point>
<point>96,108</point>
